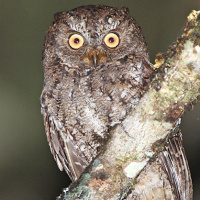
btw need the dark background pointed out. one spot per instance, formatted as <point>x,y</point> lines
<point>27,168</point>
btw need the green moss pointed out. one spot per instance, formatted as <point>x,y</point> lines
<point>79,189</point>
<point>96,163</point>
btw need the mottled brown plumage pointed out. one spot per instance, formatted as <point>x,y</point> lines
<point>90,83</point>
<point>83,97</point>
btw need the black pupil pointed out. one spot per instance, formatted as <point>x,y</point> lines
<point>111,39</point>
<point>76,40</point>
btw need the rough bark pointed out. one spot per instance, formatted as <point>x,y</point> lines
<point>132,149</point>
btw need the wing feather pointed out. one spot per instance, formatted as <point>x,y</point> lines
<point>65,154</point>
<point>175,165</point>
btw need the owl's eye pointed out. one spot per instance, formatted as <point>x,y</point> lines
<point>111,40</point>
<point>76,41</point>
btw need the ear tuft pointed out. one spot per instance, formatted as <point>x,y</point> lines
<point>58,16</point>
<point>125,10</point>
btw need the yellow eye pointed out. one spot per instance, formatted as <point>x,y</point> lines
<point>111,40</point>
<point>76,41</point>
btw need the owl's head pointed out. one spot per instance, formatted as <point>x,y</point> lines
<point>90,37</point>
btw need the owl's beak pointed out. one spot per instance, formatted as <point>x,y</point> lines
<point>95,57</point>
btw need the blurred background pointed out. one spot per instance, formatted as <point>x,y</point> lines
<point>27,168</point>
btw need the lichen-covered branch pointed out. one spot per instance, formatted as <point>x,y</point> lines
<point>140,137</point>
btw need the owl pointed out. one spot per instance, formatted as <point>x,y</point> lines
<point>96,68</point>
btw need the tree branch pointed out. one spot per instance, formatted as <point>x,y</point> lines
<point>142,134</point>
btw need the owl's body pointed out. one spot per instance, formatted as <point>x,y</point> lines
<point>83,97</point>
<point>96,68</point>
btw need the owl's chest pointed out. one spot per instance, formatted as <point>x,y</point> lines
<point>105,96</point>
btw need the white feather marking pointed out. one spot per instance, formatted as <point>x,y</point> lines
<point>124,93</point>
<point>94,121</point>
